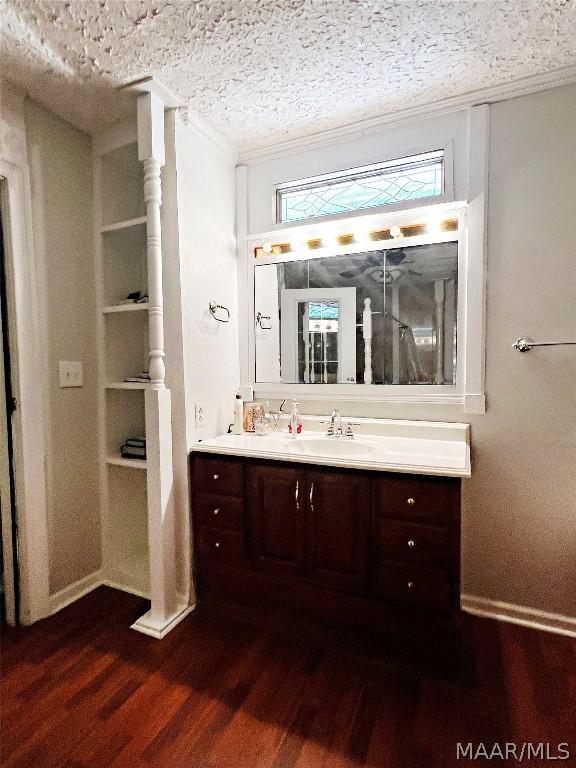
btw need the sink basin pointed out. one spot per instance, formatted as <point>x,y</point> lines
<point>324,446</point>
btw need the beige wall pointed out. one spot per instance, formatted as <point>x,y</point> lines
<point>519,507</point>
<point>61,177</point>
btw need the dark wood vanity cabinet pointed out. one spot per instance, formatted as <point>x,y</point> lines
<point>375,549</point>
<point>275,515</point>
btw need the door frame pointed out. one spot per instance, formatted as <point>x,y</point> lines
<point>27,340</point>
<point>7,501</point>
<point>346,298</point>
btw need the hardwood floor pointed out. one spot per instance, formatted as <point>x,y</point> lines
<point>80,690</point>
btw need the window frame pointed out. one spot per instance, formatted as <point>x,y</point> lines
<point>447,194</point>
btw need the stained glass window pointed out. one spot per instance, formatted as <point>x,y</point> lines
<point>409,178</point>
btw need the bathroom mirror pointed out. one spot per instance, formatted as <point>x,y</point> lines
<point>378,317</point>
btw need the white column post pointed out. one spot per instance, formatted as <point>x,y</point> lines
<point>164,611</point>
<point>395,335</point>
<point>440,302</point>
<point>367,336</point>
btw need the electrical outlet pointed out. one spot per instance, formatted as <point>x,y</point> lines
<point>70,374</point>
<point>200,414</point>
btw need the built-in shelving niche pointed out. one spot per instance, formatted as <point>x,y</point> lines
<point>126,344</point>
<point>126,530</point>
<point>124,418</point>
<point>124,263</point>
<point>123,353</point>
<point>122,185</point>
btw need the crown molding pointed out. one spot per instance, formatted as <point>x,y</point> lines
<point>370,125</point>
<point>208,134</point>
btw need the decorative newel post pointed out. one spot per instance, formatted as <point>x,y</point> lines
<point>367,336</point>
<point>164,611</point>
<point>153,199</point>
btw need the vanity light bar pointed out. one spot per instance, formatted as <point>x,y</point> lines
<point>390,233</point>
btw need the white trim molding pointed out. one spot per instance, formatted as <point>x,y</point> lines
<point>75,591</point>
<point>29,378</point>
<point>519,614</point>
<point>350,131</point>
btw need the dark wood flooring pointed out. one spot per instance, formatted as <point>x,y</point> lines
<point>81,690</point>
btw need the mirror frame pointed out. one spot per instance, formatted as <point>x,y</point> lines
<point>468,390</point>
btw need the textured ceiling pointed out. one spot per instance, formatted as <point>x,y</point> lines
<point>265,70</point>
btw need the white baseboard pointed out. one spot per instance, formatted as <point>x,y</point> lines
<point>518,614</point>
<point>74,591</point>
<point>478,606</point>
<point>124,588</point>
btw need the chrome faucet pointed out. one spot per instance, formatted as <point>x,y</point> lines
<point>335,428</point>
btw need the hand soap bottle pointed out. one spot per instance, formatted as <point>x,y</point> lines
<point>295,422</point>
<point>238,428</point>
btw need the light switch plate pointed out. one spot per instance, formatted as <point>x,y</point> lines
<point>71,374</point>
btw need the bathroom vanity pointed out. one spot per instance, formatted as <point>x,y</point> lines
<point>344,536</point>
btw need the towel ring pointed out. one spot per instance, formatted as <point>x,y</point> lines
<point>213,307</point>
<point>259,318</point>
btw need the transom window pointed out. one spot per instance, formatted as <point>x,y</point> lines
<point>370,186</point>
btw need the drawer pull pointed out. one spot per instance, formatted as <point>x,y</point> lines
<point>410,585</point>
<point>411,542</point>
<point>217,545</point>
<point>216,511</point>
<point>410,502</point>
<point>216,477</point>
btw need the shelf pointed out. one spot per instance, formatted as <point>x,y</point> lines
<point>126,385</point>
<point>125,308</point>
<point>123,225</point>
<point>120,461</point>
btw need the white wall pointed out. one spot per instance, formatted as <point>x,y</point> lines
<point>61,181</point>
<point>519,506</point>
<point>206,215</point>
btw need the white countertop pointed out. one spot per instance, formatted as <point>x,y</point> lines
<point>426,448</point>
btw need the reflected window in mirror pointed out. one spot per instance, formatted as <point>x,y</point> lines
<point>384,317</point>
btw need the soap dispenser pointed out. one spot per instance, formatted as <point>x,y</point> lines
<point>295,422</point>
<point>238,427</point>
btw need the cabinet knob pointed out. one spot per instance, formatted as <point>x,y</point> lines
<point>410,502</point>
<point>411,542</point>
<point>410,585</point>
<point>216,477</point>
<point>216,511</point>
<point>217,545</point>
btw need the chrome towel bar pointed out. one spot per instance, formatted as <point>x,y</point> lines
<point>523,344</point>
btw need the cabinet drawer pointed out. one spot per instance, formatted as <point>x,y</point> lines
<point>428,500</point>
<point>219,547</point>
<point>413,586</point>
<point>218,476</point>
<point>412,543</point>
<point>219,511</point>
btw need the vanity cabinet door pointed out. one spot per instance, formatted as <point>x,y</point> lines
<point>275,518</point>
<point>338,529</point>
